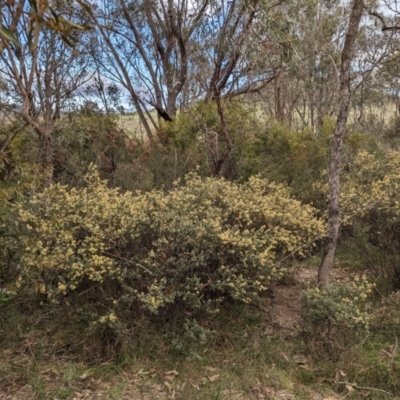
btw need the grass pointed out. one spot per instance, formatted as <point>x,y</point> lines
<point>131,124</point>
<point>240,362</point>
<point>250,356</point>
<point>237,363</point>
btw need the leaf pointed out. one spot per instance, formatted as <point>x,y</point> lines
<point>299,359</point>
<point>168,385</point>
<point>170,378</point>
<point>171,375</point>
<point>5,32</point>
<point>74,25</point>
<point>213,378</point>
<point>54,14</point>
<point>34,5</point>
<point>67,41</point>
<point>349,388</point>
<point>86,7</point>
<point>386,353</point>
<point>142,372</point>
<point>183,386</point>
<point>159,387</point>
<point>285,356</point>
<point>342,373</point>
<point>173,372</point>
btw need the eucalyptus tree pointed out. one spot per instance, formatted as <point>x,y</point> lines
<point>170,53</point>
<point>41,71</point>
<point>306,87</point>
<point>387,17</point>
<point>45,13</point>
<point>374,76</point>
<point>337,142</point>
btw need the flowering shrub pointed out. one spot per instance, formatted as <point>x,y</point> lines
<point>371,212</point>
<point>337,318</point>
<point>205,241</point>
<point>373,183</point>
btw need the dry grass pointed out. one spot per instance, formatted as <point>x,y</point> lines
<point>256,354</point>
<point>131,124</point>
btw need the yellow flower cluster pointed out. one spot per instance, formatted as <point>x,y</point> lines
<point>108,319</point>
<point>204,241</point>
<point>340,305</point>
<point>373,183</point>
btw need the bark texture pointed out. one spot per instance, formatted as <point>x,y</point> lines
<point>337,143</point>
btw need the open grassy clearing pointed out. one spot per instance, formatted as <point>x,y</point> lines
<point>132,126</point>
<point>381,116</point>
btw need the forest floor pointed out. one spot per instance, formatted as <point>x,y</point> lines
<point>259,354</point>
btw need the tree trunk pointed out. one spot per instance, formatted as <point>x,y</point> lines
<point>279,115</point>
<point>48,156</point>
<point>336,150</point>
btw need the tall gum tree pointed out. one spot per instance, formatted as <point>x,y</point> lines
<point>306,89</point>
<point>337,143</point>
<point>41,71</point>
<point>171,53</point>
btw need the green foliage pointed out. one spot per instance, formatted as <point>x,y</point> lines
<point>19,178</point>
<point>296,158</point>
<point>19,174</point>
<point>158,166</point>
<point>386,318</point>
<point>336,318</point>
<point>299,158</point>
<point>392,132</point>
<point>178,253</point>
<point>88,136</point>
<point>373,182</point>
<point>369,199</point>
<point>197,135</point>
<point>192,337</point>
<point>340,304</point>
<point>375,363</point>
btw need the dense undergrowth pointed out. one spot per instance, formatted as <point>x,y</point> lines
<point>139,273</point>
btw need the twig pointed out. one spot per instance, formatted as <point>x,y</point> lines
<point>129,261</point>
<point>365,387</point>
<point>12,136</point>
<point>88,290</point>
<point>394,353</point>
<point>384,26</point>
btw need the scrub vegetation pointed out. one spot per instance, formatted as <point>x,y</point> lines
<point>186,212</point>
